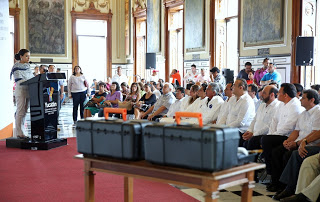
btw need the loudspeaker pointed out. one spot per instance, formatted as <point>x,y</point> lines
<point>151,60</point>
<point>304,51</point>
<point>229,75</point>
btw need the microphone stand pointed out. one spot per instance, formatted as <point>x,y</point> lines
<point>305,69</point>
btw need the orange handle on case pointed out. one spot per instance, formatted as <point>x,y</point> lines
<point>121,111</point>
<point>178,116</point>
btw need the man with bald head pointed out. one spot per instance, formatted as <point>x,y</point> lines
<point>241,110</point>
<point>261,122</point>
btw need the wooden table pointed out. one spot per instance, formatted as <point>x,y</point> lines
<point>208,182</point>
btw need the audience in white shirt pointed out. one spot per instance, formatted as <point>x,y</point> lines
<point>261,122</point>
<point>212,106</point>
<point>191,99</point>
<point>253,91</point>
<point>241,109</point>
<point>119,77</point>
<point>203,77</point>
<point>283,122</point>
<point>222,116</point>
<point>175,107</point>
<point>202,98</point>
<point>308,122</point>
<point>191,75</point>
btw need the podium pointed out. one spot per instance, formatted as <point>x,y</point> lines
<point>44,108</point>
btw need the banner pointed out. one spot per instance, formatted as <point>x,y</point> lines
<point>6,86</point>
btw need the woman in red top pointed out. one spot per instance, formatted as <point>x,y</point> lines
<point>250,76</point>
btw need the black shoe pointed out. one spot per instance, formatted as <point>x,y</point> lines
<point>273,188</point>
<point>296,198</point>
<point>284,194</point>
<point>276,187</point>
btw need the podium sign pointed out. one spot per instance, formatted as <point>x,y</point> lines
<point>44,105</point>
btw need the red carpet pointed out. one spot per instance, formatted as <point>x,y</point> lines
<point>54,175</point>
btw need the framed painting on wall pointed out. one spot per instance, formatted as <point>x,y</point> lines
<point>194,25</point>
<point>46,34</point>
<point>263,22</point>
<point>153,26</point>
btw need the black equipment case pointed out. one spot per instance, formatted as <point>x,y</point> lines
<point>112,137</point>
<point>208,148</point>
<point>84,134</point>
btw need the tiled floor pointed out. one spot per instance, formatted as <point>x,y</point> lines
<point>234,194</point>
<point>230,195</point>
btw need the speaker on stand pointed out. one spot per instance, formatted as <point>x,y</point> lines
<point>151,61</point>
<point>304,53</point>
<point>229,75</point>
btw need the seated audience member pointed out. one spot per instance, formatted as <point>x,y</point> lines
<point>159,87</point>
<point>221,93</point>
<point>142,91</point>
<point>124,90</point>
<point>133,97</point>
<point>191,98</point>
<point>108,84</point>
<point>188,87</point>
<point>222,116</point>
<point>258,75</point>
<point>176,78</point>
<point>241,108</point>
<point>161,107</point>
<point>155,90</point>
<point>272,75</point>
<point>146,101</point>
<point>143,81</point>
<point>97,98</point>
<point>260,90</point>
<point>203,77</point>
<point>273,83</point>
<point>94,86</point>
<point>216,77</point>
<point>154,76</point>
<point>43,69</point>
<point>282,124</point>
<point>261,122</point>
<point>36,70</point>
<point>308,186</point>
<point>250,76</point>
<point>112,98</point>
<point>191,75</point>
<point>175,107</point>
<point>316,87</point>
<point>210,109</point>
<point>161,81</point>
<point>307,146</point>
<point>119,77</point>
<point>253,91</point>
<point>60,87</point>
<point>308,122</point>
<point>202,98</point>
<point>243,74</point>
<point>299,89</point>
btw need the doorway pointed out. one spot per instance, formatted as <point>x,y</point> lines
<point>141,49</point>
<point>175,28</point>
<point>92,48</point>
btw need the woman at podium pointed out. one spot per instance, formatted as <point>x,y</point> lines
<point>21,72</point>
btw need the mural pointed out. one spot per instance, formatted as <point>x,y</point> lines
<point>262,21</point>
<point>153,26</point>
<point>46,26</point>
<point>194,24</point>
